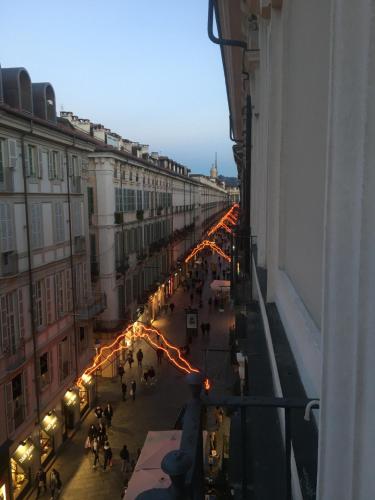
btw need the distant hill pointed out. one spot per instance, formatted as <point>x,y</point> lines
<point>229,181</point>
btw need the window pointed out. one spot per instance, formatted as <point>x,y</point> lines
<point>90,200</point>
<point>146,199</point>
<point>64,359</point>
<point>139,200</point>
<point>59,222</point>
<point>45,369</point>
<point>76,218</point>
<point>11,321</point>
<point>32,160</point>
<point>130,176</point>
<point>38,297</point>
<point>60,294</point>
<point>36,225</point>
<point>6,228</point>
<point>53,165</point>
<point>15,396</point>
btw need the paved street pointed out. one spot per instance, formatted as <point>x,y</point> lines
<point>155,408</point>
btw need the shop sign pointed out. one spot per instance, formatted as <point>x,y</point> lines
<point>24,451</point>
<point>191,320</point>
<point>50,422</point>
<point>70,398</point>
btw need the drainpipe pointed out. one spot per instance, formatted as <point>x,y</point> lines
<point>72,265</point>
<point>218,40</point>
<point>31,298</point>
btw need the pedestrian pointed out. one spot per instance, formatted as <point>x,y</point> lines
<point>171,307</point>
<point>55,484</point>
<point>95,451</point>
<point>101,434</point>
<point>107,455</point>
<point>41,481</point>
<point>121,372</point>
<point>216,302</point>
<point>99,413</point>
<point>210,303</point>
<point>125,457</point>
<point>92,432</point>
<point>130,358</point>
<point>123,389</point>
<point>191,298</point>
<point>108,413</point>
<point>203,328</point>
<point>140,357</point>
<point>208,328</point>
<point>159,355</point>
<point>133,388</point>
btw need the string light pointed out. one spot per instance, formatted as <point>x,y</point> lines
<point>210,244</point>
<point>137,330</point>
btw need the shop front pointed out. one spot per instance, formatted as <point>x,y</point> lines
<point>86,394</point>
<point>23,465</point>
<point>71,411</point>
<point>49,436</point>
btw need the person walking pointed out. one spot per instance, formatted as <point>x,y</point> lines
<point>133,388</point>
<point>99,413</point>
<point>95,451</point>
<point>41,481</point>
<point>159,355</point>
<point>55,484</point>
<point>101,434</point>
<point>139,357</point>
<point>123,389</point>
<point>108,414</point>
<point>125,458</point>
<point>191,298</point>
<point>130,358</point>
<point>171,307</point>
<point>208,328</point>
<point>107,455</point>
<point>121,372</point>
<point>210,303</point>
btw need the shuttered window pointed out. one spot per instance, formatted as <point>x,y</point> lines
<point>36,225</point>
<point>2,176</point>
<point>59,295</point>
<point>38,298</point>
<point>69,291</point>
<point>50,303</point>
<point>76,218</point>
<point>59,222</point>
<point>139,200</point>
<point>6,228</point>
<point>12,153</point>
<point>32,161</point>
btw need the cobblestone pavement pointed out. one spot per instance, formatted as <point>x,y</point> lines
<point>155,408</point>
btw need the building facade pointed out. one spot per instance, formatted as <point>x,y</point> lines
<point>46,303</point>
<point>145,213</point>
<point>302,117</point>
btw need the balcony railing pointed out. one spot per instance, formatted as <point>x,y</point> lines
<point>91,307</point>
<point>8,263</point>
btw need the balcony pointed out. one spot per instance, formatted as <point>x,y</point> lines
<point>93,306</point>
<point>79,244</point>
<point>122,265</point>
<point>9,264</point>
<point>95,269</point>
<point>15,357</point>
<point>119,217</point>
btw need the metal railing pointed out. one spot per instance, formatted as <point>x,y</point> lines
<point>91,307</point>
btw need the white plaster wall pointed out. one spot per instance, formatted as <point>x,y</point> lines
<point>304,127</point>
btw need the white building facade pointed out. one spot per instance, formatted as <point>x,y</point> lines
<point>301,97</point>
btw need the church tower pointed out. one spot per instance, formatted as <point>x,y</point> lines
<point>213,170</point>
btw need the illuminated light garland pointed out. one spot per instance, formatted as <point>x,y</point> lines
<point>230,217</point>
<point>136,331</point>
<point>210,244</point>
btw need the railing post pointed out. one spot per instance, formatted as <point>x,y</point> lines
<point>288,451</point>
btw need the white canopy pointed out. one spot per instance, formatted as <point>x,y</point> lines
<point>147,473</point>
<point>220,286</point>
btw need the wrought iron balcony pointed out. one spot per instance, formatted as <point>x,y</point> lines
<point>92,306</point>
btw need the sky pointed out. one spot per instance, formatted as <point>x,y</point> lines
<point>143,68</point>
